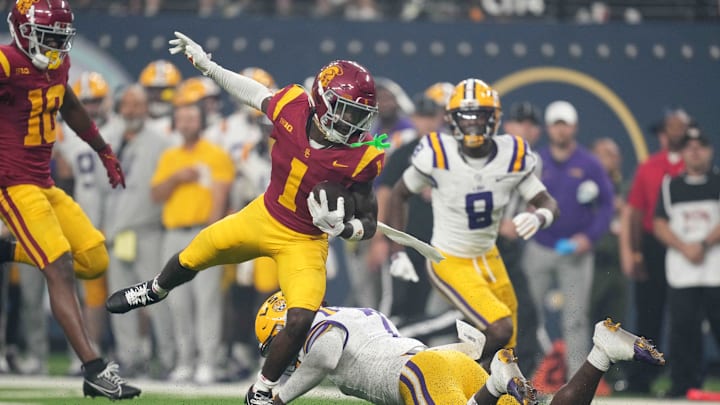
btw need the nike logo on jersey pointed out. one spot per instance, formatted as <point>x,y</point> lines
<point>336,164</point>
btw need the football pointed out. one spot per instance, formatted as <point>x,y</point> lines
<point>333,191</point>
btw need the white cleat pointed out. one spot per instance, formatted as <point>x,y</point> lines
<point>621,345</point>
<point>504,368</point>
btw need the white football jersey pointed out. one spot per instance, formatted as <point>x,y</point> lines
<point>373,354</point>
<point>238,137</point>
<point>88,171</point>
<point>164,126</point>
<point>467,200</point>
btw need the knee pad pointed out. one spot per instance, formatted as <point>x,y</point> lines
<point>91,263</point>
<point>95,292</point>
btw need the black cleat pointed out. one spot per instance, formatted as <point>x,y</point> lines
<point>133,297</point>
<point>257,397</point>
<point>107,383</point>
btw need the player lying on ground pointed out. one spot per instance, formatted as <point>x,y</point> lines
<point>611,345</point>
<point>314,136</point>
<point>360,351</point>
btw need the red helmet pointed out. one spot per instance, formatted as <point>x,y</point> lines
<point>43,30</point>
<point>344,97</point>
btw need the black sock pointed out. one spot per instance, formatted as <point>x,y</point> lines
<point>7,250</point>
<point>93,367</point>
<point>174,274</point>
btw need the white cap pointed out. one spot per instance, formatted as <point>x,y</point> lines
<point>560,111</point>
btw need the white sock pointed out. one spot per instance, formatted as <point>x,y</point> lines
<point>599,359</point>
<point>264,384</point>
<point>161,292</point>
<point>495,388</point>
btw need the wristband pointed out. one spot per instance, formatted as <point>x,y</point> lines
<point>358,230</point>
<point>91,133</point>
<point>547,215</point>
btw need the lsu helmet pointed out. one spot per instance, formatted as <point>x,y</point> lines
<point>345,101</point>
<point>474,112</point>
<point>91,86</point>
<point>263,77</point>
<point>270,320</point>
<point>43,30</point>
<point>194,89</point>
<point>159,78</point>
<point>440,93</point>
<point>93,91</point>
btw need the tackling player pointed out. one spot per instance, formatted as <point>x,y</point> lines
<point>362,353</point>
<point>313,136</point>
<point>472,172</point>
<point>52,231</point>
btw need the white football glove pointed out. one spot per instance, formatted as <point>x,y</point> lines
<point>526,224</point>
<point>330,222</point>
<point>402,267</point>
<point>193,51</point>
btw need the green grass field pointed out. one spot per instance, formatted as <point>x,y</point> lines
<point>56,389</point>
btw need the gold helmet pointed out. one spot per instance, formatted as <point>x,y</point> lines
<point>91,86</point>
<point>270,320</point>
<point>160,78</point>
<point>440,93</point>
<point>474,112</point>
<point>160,73</point>
<point>261,76</point>
<point>195,89</point>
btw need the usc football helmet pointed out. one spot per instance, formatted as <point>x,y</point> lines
<point>473,112</point>
<point>270,320</point>
<point>345,101</point>
<point>159,78</point>
<point>43,30</point>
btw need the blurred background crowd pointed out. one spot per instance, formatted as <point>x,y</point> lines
<point>170,129</point>
<point>582,11</point>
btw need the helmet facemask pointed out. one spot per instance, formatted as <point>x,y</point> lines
<point>473,126</point>
<point>344,118</point>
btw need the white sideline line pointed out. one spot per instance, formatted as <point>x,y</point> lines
<point>67,386</point>
<point>71,386</point>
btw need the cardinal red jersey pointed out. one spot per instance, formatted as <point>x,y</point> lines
<point>29,102</point>
<point>297,167</point>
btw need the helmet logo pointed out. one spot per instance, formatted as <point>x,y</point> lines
<point>279,306</point>
<point>24,6</point>
<point>329,73</point>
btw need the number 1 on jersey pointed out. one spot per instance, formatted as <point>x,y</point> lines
<point>292,184</point>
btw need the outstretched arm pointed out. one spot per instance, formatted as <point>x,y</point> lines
<point>78,119</point>
<point>245,89</point>
<point>398,210</point>
<point>321,359</point>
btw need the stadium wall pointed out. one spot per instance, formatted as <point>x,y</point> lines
<point>620,77</point>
